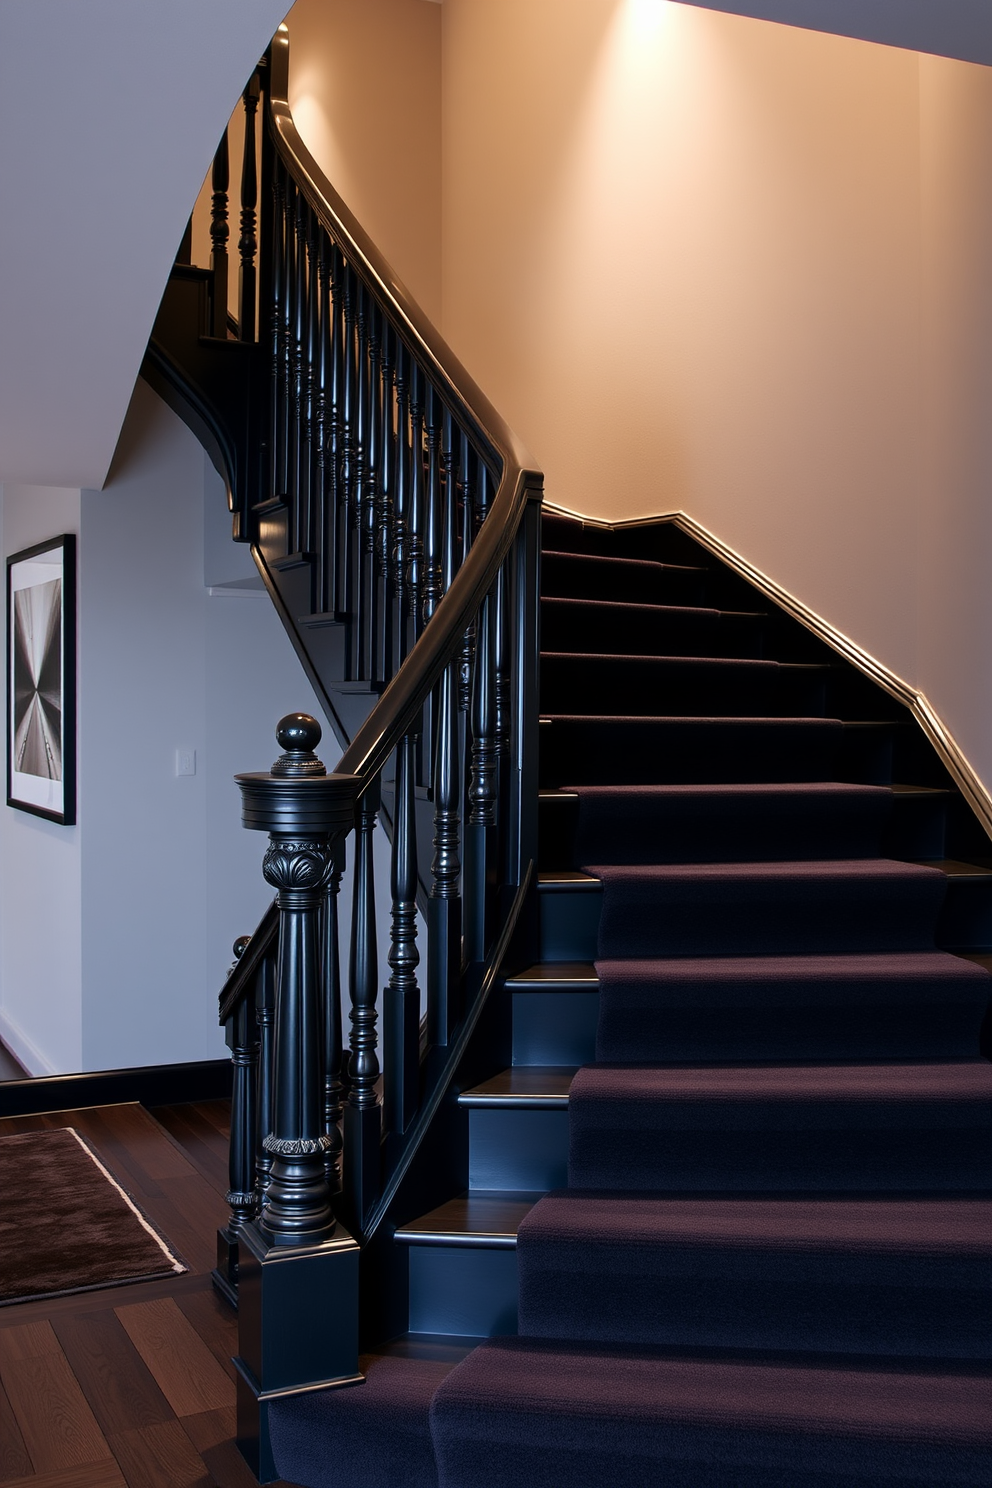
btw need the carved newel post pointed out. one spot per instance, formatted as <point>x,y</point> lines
<point>298,1292</point>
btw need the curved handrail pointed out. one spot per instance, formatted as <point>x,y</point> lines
<point>519,480</point>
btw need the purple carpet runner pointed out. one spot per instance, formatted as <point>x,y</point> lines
<point>772,1265</point>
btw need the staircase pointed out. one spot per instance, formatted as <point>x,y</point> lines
<point>727,1215</point>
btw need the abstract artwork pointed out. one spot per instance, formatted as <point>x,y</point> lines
<point>41,606</point>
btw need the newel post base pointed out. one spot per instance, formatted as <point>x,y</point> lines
<point>297,1329</point>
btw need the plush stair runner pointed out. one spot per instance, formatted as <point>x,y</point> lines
<point>772,1267</point>
<point>773,1262</point>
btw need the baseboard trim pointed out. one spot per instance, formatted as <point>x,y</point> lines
<point>953,757</point>
<point>151,1085</point>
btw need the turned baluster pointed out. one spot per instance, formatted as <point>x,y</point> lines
<point>279,338</point>
<point>304,374</point>
<point>401,525</point>
<point>338,508</point>
<point>219,234</point>
<point>306,813</point>
<point>385,513</point>
<point>415,508</point>
<point>320,310</point>
<point>330,978</point>
<point>373,497</point>
<point>402,1007</point>
<point>266,1015</point>
<point>444,907</point>
<point>248,242</point>
<point>470,517</point>
<point>363,1113</point>
<point>242,1039</point>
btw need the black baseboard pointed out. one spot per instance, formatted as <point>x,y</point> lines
<point>152,1085</point>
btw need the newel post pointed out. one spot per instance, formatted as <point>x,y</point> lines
<point>298,1282</point>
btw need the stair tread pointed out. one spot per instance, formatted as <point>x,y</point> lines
<point>551,880</point>
<point>534,1378</point>
<point>486,1218</point>
<point>554,975</point>
<point>523,1085</point>
<point>922,1225</point>
<point>939,1080</point>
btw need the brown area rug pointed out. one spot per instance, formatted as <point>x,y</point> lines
<point>66,1225</point>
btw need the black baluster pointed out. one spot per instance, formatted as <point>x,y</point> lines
<point>468,513</point>
<point>321,311</point>
<point>415,511</point>
<point>280,342</point>
<point>294,368</point>
<point>338,515</point>
<point>330,975</point>
<point>401,547</point>
<point>373,499</point>
<point>266,1015</point>
<point>386,516</point>
<point>365,497</point>
<point>363,1113</point>
<point>350,466</point>
<point>444,903</point>
<point>219,234</point>
<point>402,1008</point>
<point>242,1037</point>
<point>248,242</point>
<point>301,337</point>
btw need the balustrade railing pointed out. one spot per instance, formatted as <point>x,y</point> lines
<point>389,479</point>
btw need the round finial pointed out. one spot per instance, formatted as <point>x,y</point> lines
<point>240,946</point>
<point>299,734</point>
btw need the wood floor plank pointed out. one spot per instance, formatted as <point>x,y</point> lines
<point>202,1211</point>
<point>139,1141</point>
<point>57,1425</point>
<point>87,1302</point>
<point>104,1474</point>
<point>202,1143</point>
<point>210,1428</point>
<point>27,1341</point>
<point>216,1323</point>
<point>187,1372</point>
<point>111,1373</point>
<point>160,1457</point>
<point>14,1459</point>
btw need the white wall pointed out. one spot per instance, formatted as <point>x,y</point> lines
<point>40,863</point>
<point>713,264</point>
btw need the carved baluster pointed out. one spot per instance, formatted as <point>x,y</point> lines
<point>320,311</point>
<point>401,545</point>
<point>350,469</point>
<point>304,377</point>
<point>266,1014</point>
<point>330,976</point>
<point>373,493</point>
<point>433,569</point>
<point>294,368</point>
<point>386,517</point>
<point>444,904</point>
<point>363,495</point>
<point>219,234</point>
<point>402,1009</point>
<point>242,1038</point>
<point>470,517</point>
<point>502,659</point>
<point>306,812</point>
<point>279,342</point>
<point>248,242</point>
<point>363,1113</point>
<point>415,510</point>
<point>338,515</point>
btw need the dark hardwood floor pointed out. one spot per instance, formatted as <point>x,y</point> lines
<point>131,1386</point>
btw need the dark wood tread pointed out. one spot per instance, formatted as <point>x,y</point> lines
<point>523,1087</point>
<point>567,881</point>
<point>473,1220</point>
<point>555,976</point>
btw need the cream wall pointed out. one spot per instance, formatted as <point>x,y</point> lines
<point>707,263</point>
<point>365,90</point>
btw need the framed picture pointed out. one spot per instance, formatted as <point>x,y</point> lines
<point>41,680</point>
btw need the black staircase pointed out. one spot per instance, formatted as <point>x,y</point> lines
<point>690,1120</point>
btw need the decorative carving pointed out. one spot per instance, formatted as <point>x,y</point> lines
<point>297,865</point>
<point>296,1147</point>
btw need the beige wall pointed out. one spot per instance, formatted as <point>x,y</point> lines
<point>713,264</point>
<point>365,90</point>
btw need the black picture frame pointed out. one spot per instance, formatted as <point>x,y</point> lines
<point>41,680</point>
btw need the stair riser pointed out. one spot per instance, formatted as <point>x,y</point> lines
<point>525,1150</point>
<point>569,924</point>
<point>570,627</point>
<point>555,1027</point>
<point>657,689</point>
<point>701,1147</point>
<point>466,1291</point>
<point>701,1299</point>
